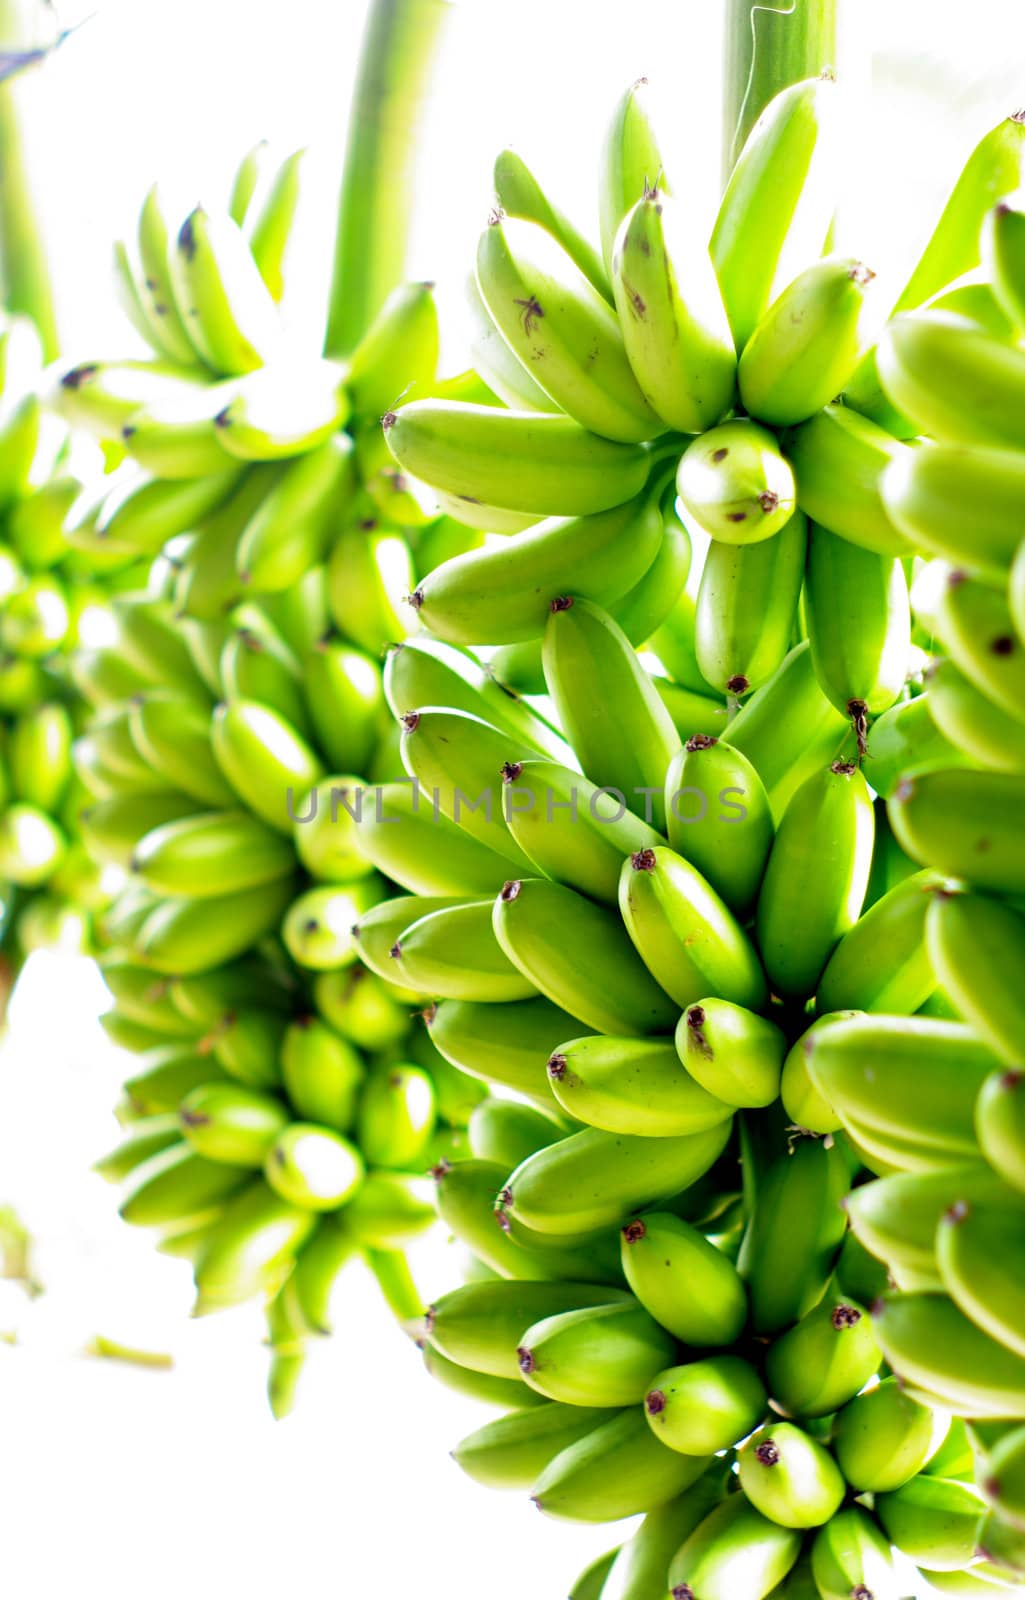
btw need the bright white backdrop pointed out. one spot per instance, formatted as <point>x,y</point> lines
<point>137,1485</point>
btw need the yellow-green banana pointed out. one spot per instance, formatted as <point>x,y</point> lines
<point>976,946</point>
<point>972,721</point>
<point>808,343</point>
<point>504,1044</point>
<point>734,1554</point>
<point>960,502</point>
<point>859,625</point>
<point>824,1360</point>
<point>688,1285</point>
<point>718,818</point>
<point>794,1233</point>
<point>599,1354</point>
<point>735,483</point>
<point>790,1477</point>
<point>618,1469</point>
<point>226,1122</point>
<point>966,824</point>
<point>631,1086</point>
<point>788,730</point>
<point>849,1554</point>
<point>228,311</point>
<point>882,963</point>
<point>746,606</point>
<point>734,1054</point>
<point>883,1438</point>
<point>838,458</point>
<point>212,853</point>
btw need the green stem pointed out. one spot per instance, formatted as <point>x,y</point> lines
<point>24,267</point>
<point>768,46</point>
<point>376,202</point>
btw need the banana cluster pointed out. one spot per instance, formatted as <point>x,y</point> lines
<point>50,600</point>
<point>278,1117</point>
<point>703,948</point>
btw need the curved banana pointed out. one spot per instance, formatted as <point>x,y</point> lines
<point>972,722</point>
<point>966,824</point>
<point>211,853</point>
<point>976,946</point>
<point>504,1044</point>
<point>688,1285</point>
<point>882,963</point>
<point>824,1360</point>
<point>228,311</point>
<point>790,1477</point>
<point>735,1552</point>
<point>838,458</point>
<point>746,607</point>
<point>631,1086</point>
<point>629,164</point>
<point>960,502</point>
<point>600,1354</point>
<point>954,380</point>
<point>858,617</point>
<point>794,1233</point>
<point>883,1438</point>
<point>788,730</point>
<point>615,1471</point>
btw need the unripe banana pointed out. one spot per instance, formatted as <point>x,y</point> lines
<point>144,997</point>
<point>953,379</point>
<point>735,1554</point>
<point>1002,1484</point>
<point>727,839</point>
<point>934,1520</point>
<point>228,311</point>
<point>112,827</point>
<point>976,945</point>
<point>593,1179</point>
<point>931,1344</point>
<point>479,1325</point>
<point>526,461</point>
<point>39,756</point>
<point>562,330</point>
<point>1003,251</point>
<point>906,739</point>
<point>369,575</point>
<point>733,1053</point>
<point>1003,1550</point>
<point>976,1248</point>
<point>510,1452</point>
<point>851,1555</point>
<point>388,1211</point>
<point>267,763</point>
<point>382,924</point>
<point>975,625</point>
<point>247,1044</point>
<point>625,737</point>
<point>1000,1125</point>
<point>630,162</point>
<point>313,1167</point>
<point>172,734</point>
<point>806,1107</point>
<point>250,1248</point>
<point>226,1122</point>
<point>787,730</point>
<point>618,1469</point>
<point>746,605</point>
<point>838,458</point>
<point>268,232</point>
<point>503,592</point>
<point>570,830</point>
<point>882,964</point>
<point>965,824</point>
<point>342,688</point>
<point>631,1086</point>
<point>492,358</point>
<point>822,1362</point>
<point>777,207</point>
<point>178,1186</point>
<point>607,1352</point>
<point>789,1477</point>
<point>674,323</point>
<point>504,1044</point>
<point>897,1217</point>
<point>398,350</point>
<point>936,496</point>
<point>401,832</point>
<point>183,936</point>
<point>688,1285</point>
<point>816,877</point>
<point>396,1115</point>
<point>579,955</point>
<point>972,721</point>
<point>154,282</point>
<point>140,1140</point>
<point>808,343</point>
<point>735,483</point>
<point>290,529</point>
<point>859,625</point>
<point>507,1132</point>
<point>883,1438</point>
<point>453,954</point>
<point>213,853</point>
<point>705,1406</point>
<point>686,936</point>
<point>794,1233</point>
<point>426,672</point>
<point>323,1074</point>
<point>640,1567</point>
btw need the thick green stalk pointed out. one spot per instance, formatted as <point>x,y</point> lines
<point>376,201</point>
<point>767,46</point>
<point>25,25</point>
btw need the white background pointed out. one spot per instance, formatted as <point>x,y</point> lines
<point>137,1485</point>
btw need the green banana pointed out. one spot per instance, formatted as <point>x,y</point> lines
<point>503,592</point>
<point>972,722</point>
<point>733,1053</point>
<point>313,1167</point>
<point>734,1554</point>
<point>808,343</point>
<point>630,163</point>
<point>396,1115</point>
<point>975,625</point>
<point>849,1554</point>
<point>39,756</point>
<point>140,513</point>
<point>247,1044</point>
<point>616,1470</point>
<point>794,1233</point>
<point>976,1247</point>
<point>213,853</point>
<point>746,605</point>
<point>250,1248</point>
<point>145,997</point>
<point>453,954</point>
<point>966,824</point>
<point>164,1075</point>
<point>504,1044</point>
<point>688,1285</point>
<point>178,1185</point>
<point>510,1452</point>
<point>519,194</point>
<point>507,1132</point>
<point>183,936</point>
<point>426,672</point>
<point>256,664</point>
<point>381,925</point>
<point>388,1211</point>
<point>1002,253</point>
<point>342,689</point>
<point>953,379</point>
<point>522,460</point>
<point>1002,1484</point>
<point>562,330</point>
<point>735,483</point>
<point>640,1567</point>
<point>594,1179</point>
<point>141,1140</point>
<point>406,838</point>
<point>788,730</point>
<point>824,1360</point>
<point>975,946</point>
<point>458,760</point>
<point>504,1392</point>
<point>671,313</point>
<point>959,502</point>
<point>816,877</point>
<point>246,181</point>
<point>882,963</point>
<point>264,759</point>
<point>778,203</point>
<point>1003,1550</point>
<point>838,458</point>
<point>906,739</point>
<point>934,1520</point>
<point>573,832</point>
<point>608,1353</point>
<point>655,597</point>
<point>930,1343</point>
<point>790,1477</point>
<point>479,1325</point>
<point>172,735</point>
<point>175,436</point>
<point>705,1406</point>
<point>859,625</point>
<point>631,1086</point>
<point>579,955</point>
<point>290,528</point>
<point>492,358</point>
<point>227,308</point>
<point>897,1217</point>
<point>883,1438</point>
<point>155,281</point>
<point>397,352</point>
<point>322,1074</point>
<point>1000,1126</point>
<point>269,230</point>
<point>112,827</point>
<point>369,575</point>
<point>727,840</point>
<point>226,1122</point>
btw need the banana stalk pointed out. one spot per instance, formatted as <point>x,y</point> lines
<point>766,48</point>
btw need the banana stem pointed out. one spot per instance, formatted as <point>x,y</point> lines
<point>24,267</point>
<point>376,202</point>
<point>768,46</point>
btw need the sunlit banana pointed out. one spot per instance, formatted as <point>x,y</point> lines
<point>616,1470</point>
<point>972,721</point>
<point>572,831</point>
<point>954,380</point>
<point>882,963</point>
<point>960,502</point>
<point>227,309</point>
<point>212,853</point>
<point>734,1554</point>
<point>837,458</point>
<point>397,352</point>
<point>883,1437</point>
<point>746,605</point>
<point>282,409</point>
<point>967,824</point>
